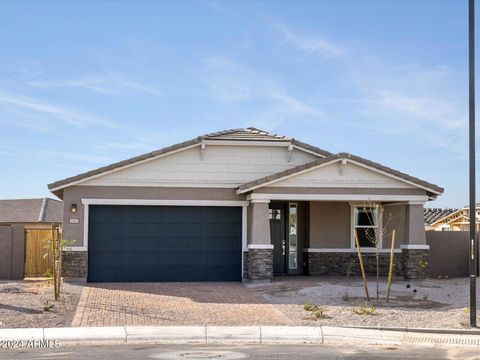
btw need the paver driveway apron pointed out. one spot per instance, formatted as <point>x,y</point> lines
<point>213,303</point>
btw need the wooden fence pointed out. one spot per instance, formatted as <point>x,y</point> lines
<point>36,263</point>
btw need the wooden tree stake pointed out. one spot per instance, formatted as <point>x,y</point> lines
<point>390,271</point>
<point>362,269</point>
<point>54,265</point>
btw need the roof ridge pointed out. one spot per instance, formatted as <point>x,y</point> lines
<point>42,210</point>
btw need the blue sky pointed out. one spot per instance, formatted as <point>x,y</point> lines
<point>84,84</point>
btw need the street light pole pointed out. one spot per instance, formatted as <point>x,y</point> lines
<point>473,245</point>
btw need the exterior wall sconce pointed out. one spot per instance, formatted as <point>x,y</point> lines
<point>73,208</point>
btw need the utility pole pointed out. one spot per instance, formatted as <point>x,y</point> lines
<point>473,215</point>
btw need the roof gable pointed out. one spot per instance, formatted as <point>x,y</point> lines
<point>216,166</point>
<point>343,158</point>
<point>233,136</point>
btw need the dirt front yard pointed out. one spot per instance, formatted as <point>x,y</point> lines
<point>431,303</point>
<point>22,304</point>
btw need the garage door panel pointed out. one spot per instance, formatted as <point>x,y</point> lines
<point>164,243</point>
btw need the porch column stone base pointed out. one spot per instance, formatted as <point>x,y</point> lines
<point>260,264</point>
<point>415,263</point>
<point>74,264</point>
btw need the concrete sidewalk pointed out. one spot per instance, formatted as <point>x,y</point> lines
<point>239,335</point>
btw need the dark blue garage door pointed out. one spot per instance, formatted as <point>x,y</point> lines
<point>164,243</point>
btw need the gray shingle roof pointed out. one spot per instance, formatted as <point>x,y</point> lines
<point>248,134</point>
<point>43,210</point>
<point>433,214</point>
<point>330,158</point>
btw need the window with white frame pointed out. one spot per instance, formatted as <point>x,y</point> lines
<point>366,224</point>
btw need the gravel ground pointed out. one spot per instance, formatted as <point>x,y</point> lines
<point>22,302</point>
<point>432,303</point>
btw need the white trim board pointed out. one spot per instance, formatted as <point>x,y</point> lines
<point>415,247</point>
<point>149,202</point>
<point>260,246</point>
<point>348,250</point>
<point>336,197</point>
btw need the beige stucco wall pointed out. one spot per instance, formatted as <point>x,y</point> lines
<point>329,224</point>
<point>259,226</point>
<point>394,217</point>
<point>75,194</point>
<point>416,225</point>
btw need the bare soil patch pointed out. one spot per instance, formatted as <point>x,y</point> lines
<point>430,303</point>
<point>22,304</point>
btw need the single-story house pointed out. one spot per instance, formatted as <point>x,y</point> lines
<point>25,226</point>
<point>39,213</point>
<point>240,204</point>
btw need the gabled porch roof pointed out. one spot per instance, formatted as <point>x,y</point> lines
<point>431,189</point>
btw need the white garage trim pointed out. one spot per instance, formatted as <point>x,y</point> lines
<point>148,202</point>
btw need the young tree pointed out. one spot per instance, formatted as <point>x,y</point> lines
<point>57,245</point>
<point>374,231</point>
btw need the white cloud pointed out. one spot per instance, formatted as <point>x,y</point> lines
<point>100,84</point>
<point>64,114</point>
<point>90,83</point>
<point>308,45</point>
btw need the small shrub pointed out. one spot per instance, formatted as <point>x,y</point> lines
<point>283,288</point>
<point>346,297</point>
<point>365,310</point>
<point>47,306</point>
<point>311,307</point>
<point>320,313</point>
<point>349,271</point>
<point>425,297</point>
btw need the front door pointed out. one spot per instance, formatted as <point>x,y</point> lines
<point>277,234</point>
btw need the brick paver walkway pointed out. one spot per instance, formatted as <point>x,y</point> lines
<point>117,304</point>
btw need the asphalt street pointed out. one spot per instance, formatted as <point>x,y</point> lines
<point>177,352</point>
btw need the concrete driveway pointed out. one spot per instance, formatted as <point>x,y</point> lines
<point>217,303</point>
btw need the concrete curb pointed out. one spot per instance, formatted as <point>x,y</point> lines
<point>329,335</point>
<point>419,330</point>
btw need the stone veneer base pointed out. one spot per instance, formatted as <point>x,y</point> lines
<point>74,264</point>
<point>260,264</point>
<point>410,264</point>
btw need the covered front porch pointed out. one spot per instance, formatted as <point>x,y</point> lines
<point>304,220</point>
<point>314,234</point>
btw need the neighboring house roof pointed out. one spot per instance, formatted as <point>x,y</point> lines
<point>454,214</point>
<point>248,134</point>
<point>43,210</point>
<point>432,215</point>
<point>333,158</point>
